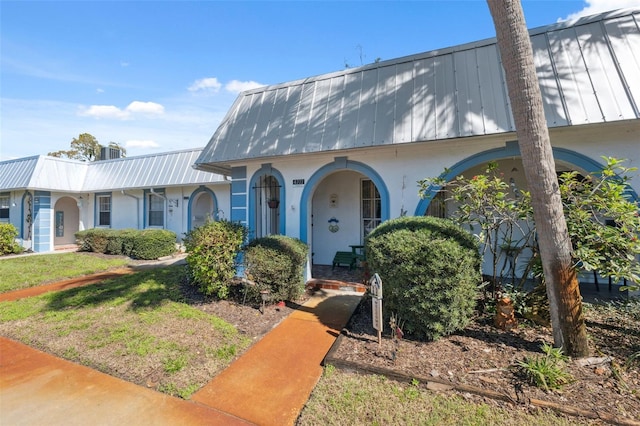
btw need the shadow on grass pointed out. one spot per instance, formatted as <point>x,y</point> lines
<point>143,289</point>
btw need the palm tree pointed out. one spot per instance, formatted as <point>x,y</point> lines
<point>565,304</point>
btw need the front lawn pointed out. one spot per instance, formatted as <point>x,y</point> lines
<point>29,271</point>
<point>345,398</point>
<point>136,327</point>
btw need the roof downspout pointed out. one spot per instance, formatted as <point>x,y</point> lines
<point>137,207</point>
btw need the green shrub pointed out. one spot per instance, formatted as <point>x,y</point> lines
<point>8,234</point>
<point>121,242</point>
<point>114,243</point>
<point>277,263</point>
<point>430,269</point>
<point>153,244</point>
<point>95,239</point>
<point>128,238</point>
<point>212,251</point>
<point>138,244</point>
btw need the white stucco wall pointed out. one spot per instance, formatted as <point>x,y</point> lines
<point>401,166</point>
<point>127,210</point>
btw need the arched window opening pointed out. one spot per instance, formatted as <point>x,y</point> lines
<point>267,195</point>
<point>371,207</point>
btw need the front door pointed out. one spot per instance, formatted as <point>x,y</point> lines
<point>66,221</point>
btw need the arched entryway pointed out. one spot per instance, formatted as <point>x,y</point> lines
<point>66,221</point>
<point>340,204</point>
<point>202,207</point>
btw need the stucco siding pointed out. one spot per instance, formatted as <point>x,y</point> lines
<point>400,168</point>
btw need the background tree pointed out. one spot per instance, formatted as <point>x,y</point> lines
<point>85,148</point>
<point>565,305</point>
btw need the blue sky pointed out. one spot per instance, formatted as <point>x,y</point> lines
<point>158,76</point>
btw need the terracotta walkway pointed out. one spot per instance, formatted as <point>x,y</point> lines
<point>268,385</point>
<point>39,389</point>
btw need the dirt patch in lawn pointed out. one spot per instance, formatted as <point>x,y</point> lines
<point>484,357</point>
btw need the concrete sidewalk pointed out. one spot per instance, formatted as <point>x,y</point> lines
<point>39,389</point>
<point>268,385</point>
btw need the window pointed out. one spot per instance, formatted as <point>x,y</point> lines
<point>371,207</point>
<point>104,210</point>
<point>155,209</point>
<point>268,195</point>
<point>4,207</point>
<point>438,205</point>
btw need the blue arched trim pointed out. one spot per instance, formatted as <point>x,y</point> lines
<point>340,163</point>
<point>192,198</point>
<point>266,170</point>
<point>511,149</point>
<point>26,195</point>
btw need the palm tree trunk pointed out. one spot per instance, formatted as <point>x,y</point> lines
<point>565,303</point>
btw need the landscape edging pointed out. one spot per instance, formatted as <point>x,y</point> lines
<point>441,385</point>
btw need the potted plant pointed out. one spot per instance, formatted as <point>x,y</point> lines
<point>273,203</point>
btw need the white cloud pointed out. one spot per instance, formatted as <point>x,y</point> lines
<point>99,90</point>
<point>145,108</point>
<point>113,112</point>
<point>186,123</point>
<point>235,86</point>
<point>105,111</point>
<point>209,84</point>
<point>141,144</point>
<point>598,6</point>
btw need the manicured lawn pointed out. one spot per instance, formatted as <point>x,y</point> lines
<point>29,271</point>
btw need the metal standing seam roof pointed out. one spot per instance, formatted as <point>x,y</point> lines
<point>159,170</point>
<point>589,72</point>
<point>149,171</point>
<point>16,174</point>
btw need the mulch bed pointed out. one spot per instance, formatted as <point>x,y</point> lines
<point>479,362</point>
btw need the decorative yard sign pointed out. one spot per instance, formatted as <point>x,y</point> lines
<point>376,304</point>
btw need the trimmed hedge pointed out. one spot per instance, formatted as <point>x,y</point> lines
<point>430,269</point>
<point>8,234</point>
<point>277,263</point>
<point>212,251</point>
<point>138,244</point>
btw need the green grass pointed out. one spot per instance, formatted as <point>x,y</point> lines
<point>342,398</point>
<point>183,392</point>
<point>137,327</point>
<point>30,271</point>
<point>175,364</point>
